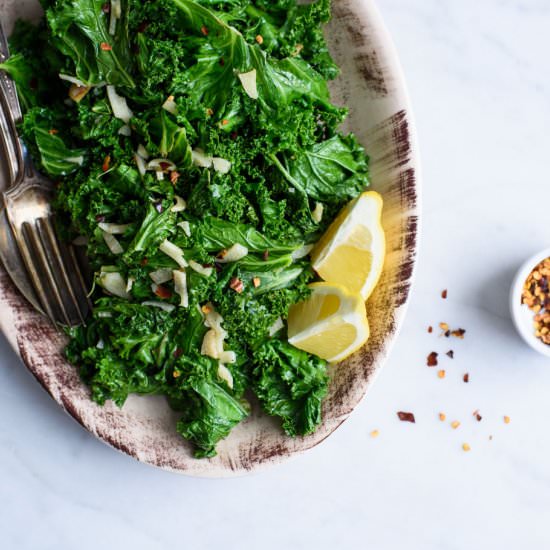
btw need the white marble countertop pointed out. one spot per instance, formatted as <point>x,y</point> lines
<point>478,75</point>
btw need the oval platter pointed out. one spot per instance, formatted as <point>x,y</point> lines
<point>372,86</point>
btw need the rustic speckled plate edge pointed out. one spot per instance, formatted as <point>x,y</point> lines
<point>373,86</point>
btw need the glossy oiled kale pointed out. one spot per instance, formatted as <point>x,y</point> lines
<point>178,132</point>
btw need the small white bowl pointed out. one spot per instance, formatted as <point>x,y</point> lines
<point>521,314</point>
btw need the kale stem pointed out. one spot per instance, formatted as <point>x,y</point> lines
<point>253,11</point>
<point>287,175</point>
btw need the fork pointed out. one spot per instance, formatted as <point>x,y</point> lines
<point>51,265</point>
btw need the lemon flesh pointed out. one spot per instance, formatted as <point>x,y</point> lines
<point>331,323</point>
<point>352,251</point>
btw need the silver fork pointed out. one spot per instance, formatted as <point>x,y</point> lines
<point>51,265</point>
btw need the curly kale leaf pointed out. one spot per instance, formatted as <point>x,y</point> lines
<point>291,384</point>
<point>210,409</point>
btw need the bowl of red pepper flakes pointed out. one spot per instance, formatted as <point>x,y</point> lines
<point>530,302</point>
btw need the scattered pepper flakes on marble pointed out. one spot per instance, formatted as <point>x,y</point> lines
<point>432,359</point>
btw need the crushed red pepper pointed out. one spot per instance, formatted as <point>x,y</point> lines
<point>466,378</point>
<point>444,294</point>
<point>106,47</point>
<point>459,333</point>
<point>406,417</point>
<point>237,285</point>
<point>450,354</point>
<point>163,292</point>
<point>536,296</point>
<point>174,177</point>
<point>432,359</point>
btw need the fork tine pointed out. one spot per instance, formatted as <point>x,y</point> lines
<point>53,250</point>
<point>43,256</point>
<point>77,269</point>
<point>26,241</point>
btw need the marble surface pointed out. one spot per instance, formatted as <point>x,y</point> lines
<point>478,77</point>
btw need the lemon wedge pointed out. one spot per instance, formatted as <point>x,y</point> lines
<point>331,323</point>
<point>351,252</point>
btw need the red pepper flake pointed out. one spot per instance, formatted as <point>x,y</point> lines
<point>432,359</point>
<point>178,352</point>
<point>204,30</point>
<point>163,292</point>
<point>174,177</point>
<point>450,354</point>
<point>106,163</point>
<point>406,417</point>
<point>225,122</point>
<point>459,333</point>
<point>106,47</point>
<point>260,39</point>
<point>256,282</point>
<point>144,262</point>
<point>477,416</point>
<point>430,330</point>
<point>441,374</point>
<point>53,132</point>
<point>237,285</point>
<point>444,294</point>
<point>265,255</point>
<point>466,378</point>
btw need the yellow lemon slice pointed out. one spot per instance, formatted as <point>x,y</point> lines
<point>331,323</point>
<point>351,252</point>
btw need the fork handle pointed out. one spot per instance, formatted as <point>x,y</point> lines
<point>5,80</point>
<point>11,117</point>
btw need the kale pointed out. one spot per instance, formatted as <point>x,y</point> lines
<point>290,384</point>
<point>177,64</point>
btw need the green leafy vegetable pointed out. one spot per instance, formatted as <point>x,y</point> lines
<point>290,384</point>
<point>80,29</point>
<point>232,142</point>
